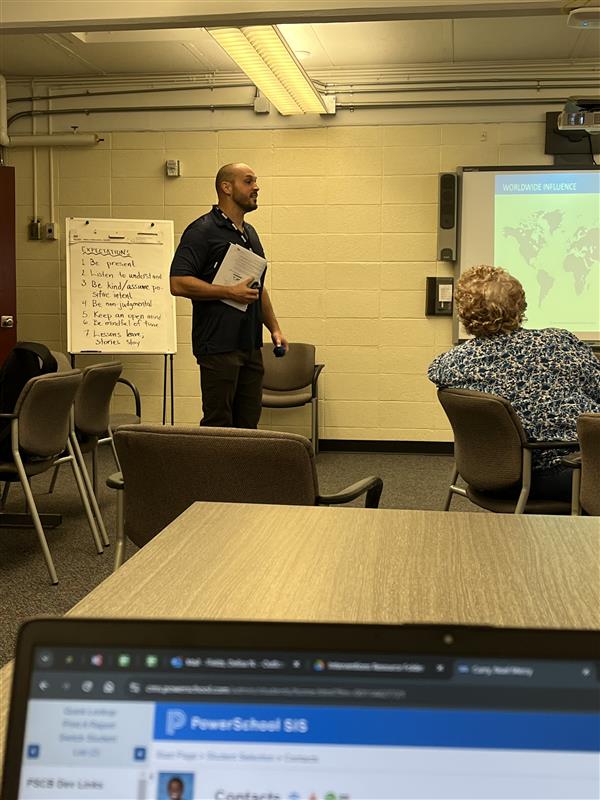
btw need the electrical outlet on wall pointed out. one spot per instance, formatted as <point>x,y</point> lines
<point>51,230</point>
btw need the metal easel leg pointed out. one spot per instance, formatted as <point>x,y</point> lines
<point>172,395</point>
<point>164,422</point>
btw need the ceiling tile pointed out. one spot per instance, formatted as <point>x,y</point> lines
<point>31,54</point>
<point>329,46</point>
<point>517,39</point>
<point>350,44</point>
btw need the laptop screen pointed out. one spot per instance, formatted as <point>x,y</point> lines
<point>323,723</point>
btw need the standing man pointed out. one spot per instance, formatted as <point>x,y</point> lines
<point>225,341</point>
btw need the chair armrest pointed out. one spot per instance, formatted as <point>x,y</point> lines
<point>115,481</point>
<point>573,461</point>
<point>6,415</point>
<point>551,444</point>
<point>136,395</point>
<point>316,373</point>
<point>371,486</point>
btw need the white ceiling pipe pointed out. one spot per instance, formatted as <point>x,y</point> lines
<point>42,140</point>
<point>55,140</point>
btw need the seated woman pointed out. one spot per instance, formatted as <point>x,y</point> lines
<point>549,376</point>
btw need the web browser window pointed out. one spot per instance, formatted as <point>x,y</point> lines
<point>164,724</point>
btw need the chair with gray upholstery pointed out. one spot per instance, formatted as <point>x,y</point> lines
<point>166,469</point>
<point>93,408</point>
<point>493,455</point>
<point>92,416</point>
<point>91,424</point>
<point>40,425</point>
<point>291,381</point>
<point>586,466</point>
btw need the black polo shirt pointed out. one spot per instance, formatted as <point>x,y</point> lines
<point>216,326</point>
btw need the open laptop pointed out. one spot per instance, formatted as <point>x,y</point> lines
<point>160,710</point>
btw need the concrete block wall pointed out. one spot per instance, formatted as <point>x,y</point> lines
<point>348,219</point>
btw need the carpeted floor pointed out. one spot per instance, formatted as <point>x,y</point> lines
<point>410,481</point>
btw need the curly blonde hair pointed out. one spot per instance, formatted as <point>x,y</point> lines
<point>490,301</point>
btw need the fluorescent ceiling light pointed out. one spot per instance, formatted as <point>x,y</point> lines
<point>264,55</point>
<point>155,35</point>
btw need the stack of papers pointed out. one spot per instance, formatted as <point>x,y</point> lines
<point>238,265</point>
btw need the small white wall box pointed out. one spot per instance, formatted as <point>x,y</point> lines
<point>50,231</point>
<point>439,297</point>
<point>173,167</point>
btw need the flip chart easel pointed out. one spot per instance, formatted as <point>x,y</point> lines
<point>118,296</point>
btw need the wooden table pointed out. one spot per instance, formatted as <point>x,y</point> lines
<point>248,562</point>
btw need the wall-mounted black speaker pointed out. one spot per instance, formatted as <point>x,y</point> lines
<point>447,219</point>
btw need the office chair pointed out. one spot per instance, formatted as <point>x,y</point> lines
<point>493,455</point>
<point>291,381</point>
<point>112,420</point>
<point>92,416</point>
<point>166,469</point>
<point>40,425</point>
<point>586,467</point>
<point>90,425</point>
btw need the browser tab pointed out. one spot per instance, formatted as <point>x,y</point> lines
<point>541,673</point>
<point>417,668</point>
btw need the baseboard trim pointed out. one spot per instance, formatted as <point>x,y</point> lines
<point>385,446</point>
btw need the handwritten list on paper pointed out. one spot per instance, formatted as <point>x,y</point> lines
<point>119,294</point>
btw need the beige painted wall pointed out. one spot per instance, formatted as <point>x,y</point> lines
<point>348,221</point>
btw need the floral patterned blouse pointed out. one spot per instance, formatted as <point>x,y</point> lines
<point>549,376</point>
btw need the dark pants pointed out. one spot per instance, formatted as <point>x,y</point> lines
<point>231,388</point>
<point>553,484</point>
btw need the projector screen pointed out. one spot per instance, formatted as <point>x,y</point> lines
<point>543,226</point>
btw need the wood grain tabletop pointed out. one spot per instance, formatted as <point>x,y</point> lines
<point>293,563</point>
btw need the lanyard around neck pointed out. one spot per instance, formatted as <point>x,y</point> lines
<point>245,239</point>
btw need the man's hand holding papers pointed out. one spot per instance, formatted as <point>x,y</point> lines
<point>240,269</point>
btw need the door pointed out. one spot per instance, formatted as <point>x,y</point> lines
<point>8,280</point>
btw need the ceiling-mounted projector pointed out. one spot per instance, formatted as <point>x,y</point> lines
<point>580,115</point>
<point>586,17</point>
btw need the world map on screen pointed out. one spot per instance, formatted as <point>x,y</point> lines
<point>547,234</point>
<point>579,248</point>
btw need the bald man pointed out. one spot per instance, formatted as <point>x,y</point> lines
<point>226,342</point>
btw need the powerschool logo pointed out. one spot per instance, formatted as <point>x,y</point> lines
<point>175,720</point>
